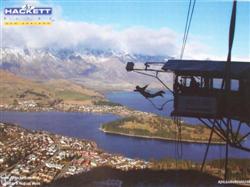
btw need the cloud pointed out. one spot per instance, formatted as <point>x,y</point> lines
<point>66,34</point>
<point>134,40</point>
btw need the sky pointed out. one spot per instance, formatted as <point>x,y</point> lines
<point>145,26</point>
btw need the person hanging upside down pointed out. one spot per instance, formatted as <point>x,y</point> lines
<point>142,90</point>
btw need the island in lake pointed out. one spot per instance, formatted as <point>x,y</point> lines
<point>150,126</point>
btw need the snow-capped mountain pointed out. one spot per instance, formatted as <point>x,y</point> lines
<point>94,68</point>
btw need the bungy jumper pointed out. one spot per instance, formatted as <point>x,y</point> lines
<point>142,91</point>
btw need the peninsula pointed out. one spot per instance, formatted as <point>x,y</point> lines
<point>34,158</point>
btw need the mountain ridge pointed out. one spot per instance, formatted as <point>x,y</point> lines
<point>99,70</point>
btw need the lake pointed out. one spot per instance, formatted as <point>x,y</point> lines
<point>86,126</point>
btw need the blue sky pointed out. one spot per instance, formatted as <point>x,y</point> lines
<point>209,26</point>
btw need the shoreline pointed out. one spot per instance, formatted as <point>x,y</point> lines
<point>43,109</point>
<point>121,111</point>
<point>119,133</point>
<point>160,138</point>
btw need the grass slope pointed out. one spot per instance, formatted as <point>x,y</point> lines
<point>17,88</point>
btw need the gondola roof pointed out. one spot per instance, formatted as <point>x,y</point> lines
<point>214,69</point>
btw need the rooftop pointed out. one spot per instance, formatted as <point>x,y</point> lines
<point>210,68</point>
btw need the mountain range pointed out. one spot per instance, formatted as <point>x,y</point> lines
<point>97,69</point>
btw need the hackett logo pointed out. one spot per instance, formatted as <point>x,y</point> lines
<point>28,15</point>
<point>28,10</point>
